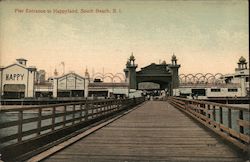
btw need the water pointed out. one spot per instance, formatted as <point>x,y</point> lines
<point>13,116</point>
<point>235,116</point>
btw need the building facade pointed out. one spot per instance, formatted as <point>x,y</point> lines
<point>163,74</point>
<point>17,80</point>
<point>70,85</point>
<point>21,81</point>
<point>230,85</point>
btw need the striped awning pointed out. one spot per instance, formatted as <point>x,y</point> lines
<point>14,88</point>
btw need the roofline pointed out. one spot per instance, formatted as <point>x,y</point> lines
<point>69,74</point>
<point>22,59</point>
<point>156,65</point>
<point>15,64</point>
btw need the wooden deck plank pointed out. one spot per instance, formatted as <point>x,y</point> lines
<point>154,132</point>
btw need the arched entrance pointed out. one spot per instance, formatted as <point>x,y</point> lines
<point>155,75</point>
<point>166,75</point>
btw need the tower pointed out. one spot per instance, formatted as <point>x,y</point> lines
<point>87,74</point>
<point>130,72</point>
<point>55,73</point>
<point>175,72</point>
<point>22,61</point>
<point>86,83</point>
<point>242,64</point>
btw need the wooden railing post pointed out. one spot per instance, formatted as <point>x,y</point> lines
<point>241,118</point>
<point>208,112</point>
<point>186,105</point>
<point>53,117</point>
<point>112,105</point>
<point>92,108</point>
<point>116,104</point>
<point>104,107</point>
<point>229,117</point>
<point>134,101</point>
<point>99,109</point>
<point>221,116</point>
<point>39,122</point>
<point>119,104</point>
<point>86,110</point>
<point>20,125</point>
<point>73,114</point>
<point>109,106</point>
<point>214,113</point>
<point>81,117</point>
<point>202,108</point>
<point>64,115</point>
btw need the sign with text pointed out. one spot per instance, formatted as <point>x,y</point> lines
<point>15,77</point>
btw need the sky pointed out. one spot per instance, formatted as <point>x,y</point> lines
<point>206,36</point>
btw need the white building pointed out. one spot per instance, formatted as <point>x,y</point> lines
<point>70,85</point>
<point>17,80</point>
<point>231,85</point>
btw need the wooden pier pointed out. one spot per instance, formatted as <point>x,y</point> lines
<point>155,131</point>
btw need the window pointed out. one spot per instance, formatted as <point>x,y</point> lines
<point>199,92</point>
<point>215,90</point>
<point>232,90</point>
<point>247,79</point>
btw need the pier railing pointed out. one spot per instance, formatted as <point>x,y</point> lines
<point>230,122</point>
<point>24,129</point>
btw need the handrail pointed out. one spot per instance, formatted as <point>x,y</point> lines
<point>30,107</point>
<point>45,101</point>
<point>212,103</point>
<point>49,118</point>
<point>219,118</point>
